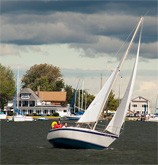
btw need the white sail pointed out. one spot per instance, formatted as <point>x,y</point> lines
<point>94,110</point>
<point>117,121</point>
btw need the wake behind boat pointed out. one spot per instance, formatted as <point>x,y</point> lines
<point>90,137</point>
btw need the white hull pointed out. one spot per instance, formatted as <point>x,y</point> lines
<point>73,137</point>
<point>73,117</point>
<point>153,119</point>
<point>3,116</point>
<point>42,118</point>
<point>29,118</point>
<point>19,118</point>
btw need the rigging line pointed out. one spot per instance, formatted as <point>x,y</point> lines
<point>125,40</point>
<point>147,12</point>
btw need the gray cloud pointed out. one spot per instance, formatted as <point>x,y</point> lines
<point>133,7</point>
<point>98,28</point>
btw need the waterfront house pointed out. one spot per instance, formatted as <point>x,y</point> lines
<point>140,105</point>
<point>41,102</point>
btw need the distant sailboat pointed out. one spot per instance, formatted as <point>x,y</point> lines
<point>18,116</point>
<point>154,117</point>
<point>3,116</point>
<point>91,138</point>
<point>76,115</point>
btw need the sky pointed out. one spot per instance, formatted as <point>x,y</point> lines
<point>83,38</point>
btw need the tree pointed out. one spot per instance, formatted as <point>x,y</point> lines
<point>112,103</point>
<point>87,98</point>
<point>7,85</point>
<point>47,77</point>
<point>70,93</point>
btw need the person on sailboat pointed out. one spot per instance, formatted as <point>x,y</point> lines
<point>65,125</point>
<point>58,125</point>
<point>53,124</point>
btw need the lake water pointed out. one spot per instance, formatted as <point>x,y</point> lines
<point>25,143</point>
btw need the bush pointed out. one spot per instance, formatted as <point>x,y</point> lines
<point>55,114</point>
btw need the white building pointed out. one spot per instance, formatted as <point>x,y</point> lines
<point>42,103</point>
<point>140,105</point>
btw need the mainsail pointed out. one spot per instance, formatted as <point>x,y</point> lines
<point>95,109</point>
<point>116,123</point>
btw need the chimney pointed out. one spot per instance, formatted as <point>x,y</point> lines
<point>38,90</point>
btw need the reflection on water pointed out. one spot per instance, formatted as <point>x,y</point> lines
<point>26,143</point>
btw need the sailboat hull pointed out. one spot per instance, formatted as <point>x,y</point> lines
<point>79,138</point>
<point>3,116</point>
<point>18,118</point>
<point>73,117</point>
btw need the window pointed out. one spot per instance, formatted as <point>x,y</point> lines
<point>25,103</point>
<point>52,111</point>
<point>134,105</point>
<point>32,103</point>
<point>24,111</point>
<point>45,111</point>
<point>38,112</point>
<point>144,105</point>
<point>25,96</point>
<point>30,111</point>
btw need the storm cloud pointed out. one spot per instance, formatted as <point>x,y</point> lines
<point>97,27</point>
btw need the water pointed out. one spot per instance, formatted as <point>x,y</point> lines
<point>25,143</point>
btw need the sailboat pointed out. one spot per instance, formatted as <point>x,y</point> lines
<point>2,115</point>
<point>153,117</point>
<point>76,116</point>
<point>81,137</point>
<point>18,116</point>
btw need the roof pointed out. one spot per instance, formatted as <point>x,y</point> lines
<point>33,96</point>
<point>139,98</point>
<point>52,96</point>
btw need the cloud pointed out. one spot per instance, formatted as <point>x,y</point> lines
<point>16,50</point>
<point>94,28</point>
<point>146,86</point>
<point>79,6</point>
<point>6,50</point>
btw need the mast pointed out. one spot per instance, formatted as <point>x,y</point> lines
<point>79,105</point>
<point>76,95</point>
<point>82,95</point>
<point>17,90</point>
<point>116,72</point>
<point>101,82</point>
<point>115,124</point>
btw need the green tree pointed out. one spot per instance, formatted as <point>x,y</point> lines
<point>70,93</point>
<point>112,103</point>
<point>7,85</point>
<point>88,99</point>
<point>47,77</point>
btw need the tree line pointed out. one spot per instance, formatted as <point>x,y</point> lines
<point>48,78</point>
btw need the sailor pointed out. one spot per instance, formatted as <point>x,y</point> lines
<point>65,125</point>
<point>57,125</point>
<point>53,124</point>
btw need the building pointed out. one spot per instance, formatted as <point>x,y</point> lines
<point>52,98</point>
<point>41,102</point>
<point>139,105</point>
